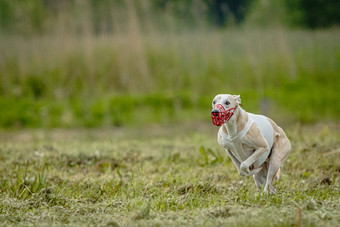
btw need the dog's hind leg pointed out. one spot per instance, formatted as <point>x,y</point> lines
<point>260,177</point>
<point>280,150</point>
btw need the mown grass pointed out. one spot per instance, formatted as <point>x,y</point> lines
<point>70,80</point>
<point>175,175</point>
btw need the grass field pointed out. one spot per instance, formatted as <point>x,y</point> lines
<point>156,176</point>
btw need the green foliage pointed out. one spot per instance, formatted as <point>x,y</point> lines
<point>218,158</point>
<point>314,14</point>
<point>261,11</point>
<point>107,16</point>
<point>5,15</point>
<point>111,63</point>
<point>293,13</point>
<point>152,176</point>
<point>109,81</point>
<point>111,16</point>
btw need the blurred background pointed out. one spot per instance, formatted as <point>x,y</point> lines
<point>103,63</point>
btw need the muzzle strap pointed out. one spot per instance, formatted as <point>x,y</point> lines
<point>219,118</point>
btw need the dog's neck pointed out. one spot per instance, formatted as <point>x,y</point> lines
<point>236,123</point>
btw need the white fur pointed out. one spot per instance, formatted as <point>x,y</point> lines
<point>253,144</point>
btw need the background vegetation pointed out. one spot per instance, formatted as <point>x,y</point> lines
<point>102,63</point>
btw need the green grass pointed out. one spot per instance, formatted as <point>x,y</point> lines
<point>156,176</point>
<point>67,80</point>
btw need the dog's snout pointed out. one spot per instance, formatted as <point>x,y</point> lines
<point>215,111</point>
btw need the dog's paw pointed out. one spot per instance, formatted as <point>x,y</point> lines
<point>242,173</point>
<point>244,168</point>
<point>269,189</point>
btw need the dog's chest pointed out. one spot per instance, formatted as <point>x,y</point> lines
<point>237,146</point>
<point>240,150</point>
<point>226,142</point>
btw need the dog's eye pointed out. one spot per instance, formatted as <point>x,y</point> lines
<point>214,102</point>
<point>227,102</point>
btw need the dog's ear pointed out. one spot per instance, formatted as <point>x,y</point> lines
<point>237,99</point>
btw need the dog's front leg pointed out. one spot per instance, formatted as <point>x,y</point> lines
<point>249,161</point>
<point>237,164</point>
<point>235,161</point>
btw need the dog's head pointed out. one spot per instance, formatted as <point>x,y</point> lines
<point>223,108</point>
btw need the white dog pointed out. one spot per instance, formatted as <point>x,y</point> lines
<point>255,144</point>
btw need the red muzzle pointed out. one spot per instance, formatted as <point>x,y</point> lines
<point>220,116</point>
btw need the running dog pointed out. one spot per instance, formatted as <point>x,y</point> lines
<point>255,144</point>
